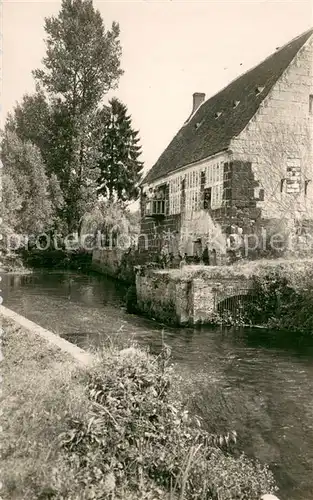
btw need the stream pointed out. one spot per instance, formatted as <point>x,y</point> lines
<point>259,382</point>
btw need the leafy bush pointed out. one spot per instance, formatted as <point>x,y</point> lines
<point>137,437</point>
<point>123,429</point>
<point>283,298</point>
<point>57,259</point>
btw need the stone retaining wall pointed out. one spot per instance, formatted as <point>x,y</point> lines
<point>178,300</point>
<point>174,301</point>
<point>117,263</point>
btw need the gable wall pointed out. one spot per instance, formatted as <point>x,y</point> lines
<point>281,132</point>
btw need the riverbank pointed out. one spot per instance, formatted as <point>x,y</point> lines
<point>118,426</point>
<point>13,263</point>
<point>268,293</point>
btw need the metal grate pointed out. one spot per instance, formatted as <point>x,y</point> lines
<point>233,301</point>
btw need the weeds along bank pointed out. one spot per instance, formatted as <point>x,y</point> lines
<point>27,260</point>
<point>118,429</point>
<point>281,296</point>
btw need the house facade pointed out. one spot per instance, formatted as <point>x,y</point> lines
<point>241,167</point>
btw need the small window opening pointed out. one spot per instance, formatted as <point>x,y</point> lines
<point>306,183</point>
<point>218,114</point>
<point>235,104</point>
<point>202,181</point>
<point>198,124</point>
<point>258,90</point>
<point>311,104</point>
<point>207,198</point>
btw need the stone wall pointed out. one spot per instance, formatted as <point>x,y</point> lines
<point>187,298</point>
<point>281,132</point>
<point>189,232</point>
<point>177,300</point>
<point>154,232</point>
<point>203,302</point>
<point>117,263</point>
<point>163,298</point>
<point>107,261</point>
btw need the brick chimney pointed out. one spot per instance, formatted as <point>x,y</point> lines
<point>197,99</point>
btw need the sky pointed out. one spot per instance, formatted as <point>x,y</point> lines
<point>171,49</point>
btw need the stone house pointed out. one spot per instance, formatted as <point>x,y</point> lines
<point>240,168</point>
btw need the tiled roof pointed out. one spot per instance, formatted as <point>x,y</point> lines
<point>204,135</point>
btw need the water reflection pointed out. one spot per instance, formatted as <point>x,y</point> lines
<point>263,380</point>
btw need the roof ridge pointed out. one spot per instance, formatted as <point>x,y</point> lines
<point>191,144</point>
<point>251,68</point>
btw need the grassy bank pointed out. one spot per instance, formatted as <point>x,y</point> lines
<point>283,298</point>
<point>246,269</point>
<point>13,263</point>
<point>281,295</point>
<point>117,430</point>
<point>41,385</point>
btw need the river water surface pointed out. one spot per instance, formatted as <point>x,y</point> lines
<point>255,381</point>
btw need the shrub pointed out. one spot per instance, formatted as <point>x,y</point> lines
<point>282,298</point>
<point>122,429</point>
<point>138,437</point>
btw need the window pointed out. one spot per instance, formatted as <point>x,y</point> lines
<point>306,183</point>
<point>311,104</point>
<point>258,90</point>
<point>202,181</point>
<point>175,195</point>
<point>207,198</point>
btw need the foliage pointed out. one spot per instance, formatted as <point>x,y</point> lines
<point>137,434</point>
<point>283,298</point>
<point>28,203</point>
<point>111,219</point>
<point>56,259</point>
<point>122,425</point>
<point>82,63</point>
<point>119,165</point>
<point>30,121</point>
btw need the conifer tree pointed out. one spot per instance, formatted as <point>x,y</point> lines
<point>119,164</point>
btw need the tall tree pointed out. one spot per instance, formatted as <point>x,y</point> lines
<point>119,164</point>
<point>82,63</point>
